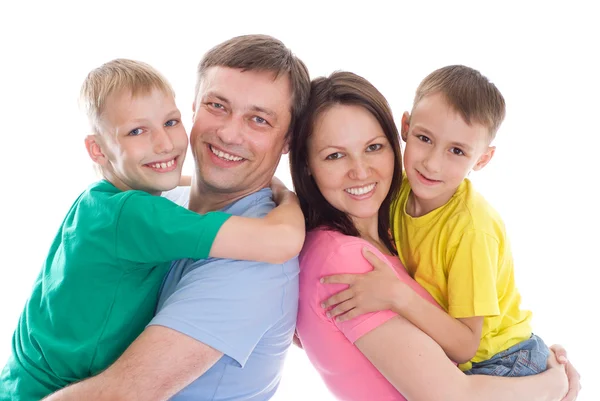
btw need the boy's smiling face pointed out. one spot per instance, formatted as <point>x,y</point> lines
<point>143,142</point>
<point>441,150</point>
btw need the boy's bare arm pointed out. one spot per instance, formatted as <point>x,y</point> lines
<point>459,338</point>
<point>155,367</point>
<point>276,238</point>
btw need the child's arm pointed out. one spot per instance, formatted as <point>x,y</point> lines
<point>276,238</point>
<point>459,338</point>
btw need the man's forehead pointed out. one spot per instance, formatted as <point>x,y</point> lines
<point>251,89</point>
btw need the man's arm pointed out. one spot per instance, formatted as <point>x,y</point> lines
<point>155,367</point>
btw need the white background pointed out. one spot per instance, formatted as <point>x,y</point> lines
<point>543,179</point>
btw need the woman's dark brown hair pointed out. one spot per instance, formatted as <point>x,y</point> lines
<point>341,88</point>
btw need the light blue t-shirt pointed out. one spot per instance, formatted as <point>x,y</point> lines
<point>246,310</point>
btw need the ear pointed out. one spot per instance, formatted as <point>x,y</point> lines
<point>94,149</point>
<point>286,145</point>
<point>485,158</point>
<point>193,111</point>
<point>405,125</point>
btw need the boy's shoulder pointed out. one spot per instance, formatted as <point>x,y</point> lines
<point>473,205</point>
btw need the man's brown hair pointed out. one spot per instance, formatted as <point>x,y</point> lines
<point>469,93</point>
<point>261,53</point>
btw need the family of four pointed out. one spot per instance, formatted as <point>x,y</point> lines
<point>402,288</point>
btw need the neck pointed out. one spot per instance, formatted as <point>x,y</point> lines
<point>204,200</point>
<point>417,207</point>
<point>368,230</point>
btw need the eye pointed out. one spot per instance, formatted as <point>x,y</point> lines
<point>374,147</point>
<point>215,105</point>
<point>423,138</point>
<point>457,152</point>
<point>334,156</point>
<point>171,123</point>
<point>260,120</point>
<point>135,132</point>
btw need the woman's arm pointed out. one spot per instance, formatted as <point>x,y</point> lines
<point>418,368</point>
<point>381,290</point>
<point>276,238</point>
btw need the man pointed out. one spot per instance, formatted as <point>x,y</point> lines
<point>222,327</point>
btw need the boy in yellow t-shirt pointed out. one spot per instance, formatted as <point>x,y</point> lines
<point>450,239</point>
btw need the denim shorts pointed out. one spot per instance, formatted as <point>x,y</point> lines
<point>526,358</point>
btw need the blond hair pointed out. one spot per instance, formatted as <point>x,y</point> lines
<point>116,76</point>
<point>469,93</point>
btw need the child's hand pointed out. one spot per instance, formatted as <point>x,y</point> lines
<point>280,192</point>
<point>376,290</point>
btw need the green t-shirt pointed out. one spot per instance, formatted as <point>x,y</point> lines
<point>99,286</point>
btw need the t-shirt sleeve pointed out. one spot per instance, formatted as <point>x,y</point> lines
<point>348,258</point>
<point>226,304</point>
<point>472,275</point>
<point>152,229</point>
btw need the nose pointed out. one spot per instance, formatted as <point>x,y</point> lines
<point>231,132</point>
<point>433,162</point>
<point>360,169</point>
<point>162,141</point>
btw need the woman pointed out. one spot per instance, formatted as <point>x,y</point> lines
<point>346,169</point>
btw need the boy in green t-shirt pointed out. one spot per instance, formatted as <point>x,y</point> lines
<point>99,284</point>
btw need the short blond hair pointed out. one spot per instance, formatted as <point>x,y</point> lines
<point>115,76</point>
<point>469,93</point>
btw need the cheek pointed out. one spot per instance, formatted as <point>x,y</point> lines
<point>329,177</point>
<point>181,139</point>
<point>388,165</point>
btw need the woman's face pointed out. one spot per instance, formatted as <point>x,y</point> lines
<point>352,161</point>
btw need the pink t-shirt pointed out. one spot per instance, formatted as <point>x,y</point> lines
<point>348,374</point>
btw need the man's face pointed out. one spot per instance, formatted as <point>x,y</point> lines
<point>240,123</point>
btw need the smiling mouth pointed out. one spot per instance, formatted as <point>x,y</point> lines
<point>365,189</point>
<point>224,155</point>
<point>426,178</point>
<point>166,165</point>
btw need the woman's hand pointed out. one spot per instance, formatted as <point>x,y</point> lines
<point>379,289</point>
<point>572,375</point>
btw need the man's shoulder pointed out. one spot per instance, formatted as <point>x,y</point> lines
<point>256,204</point>
<point>179,195</point>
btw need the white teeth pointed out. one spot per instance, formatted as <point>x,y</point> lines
<point>225,156</point>
<point>360,190</point>
<point>163,164</point>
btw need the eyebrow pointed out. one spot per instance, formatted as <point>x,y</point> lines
<point>342,148</point>
<point>255,108</point>
<point>170,114</point>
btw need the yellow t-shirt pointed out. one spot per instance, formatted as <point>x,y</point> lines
<point>460,254</point>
